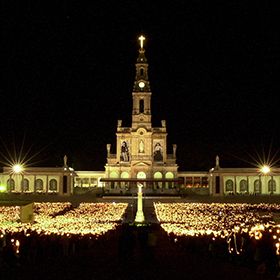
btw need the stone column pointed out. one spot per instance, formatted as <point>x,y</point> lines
<point>139,215</point>
<point>47,184</point>
<point>34,184</point>
<point>21,183</point>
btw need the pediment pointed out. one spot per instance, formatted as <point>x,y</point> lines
<point>141,163</point>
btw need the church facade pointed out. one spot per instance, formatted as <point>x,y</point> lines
<point>141,156</point>
<point>141,149</point>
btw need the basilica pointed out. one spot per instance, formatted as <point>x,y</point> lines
<point>141,149</point>
<point>141,156</point>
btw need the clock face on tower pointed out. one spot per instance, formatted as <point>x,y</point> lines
<point>141,84</point>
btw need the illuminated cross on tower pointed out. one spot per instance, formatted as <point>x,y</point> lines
<point>141,39</point>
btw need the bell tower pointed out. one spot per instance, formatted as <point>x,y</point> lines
<point>141,95</point>
<point>141,150</point>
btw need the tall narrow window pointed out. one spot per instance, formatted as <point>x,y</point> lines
<point>243,186</point>
<point>141,105</point>
<point>271,186</point>
<point>257,186</point>
<point>11,184</point>
<point>217,184</point>
<point>65,183</point>
<point>25,185</point>
<point>53,185</point>
<point>229,185</point>
<point>141,71</point>
<point>38,185</point>
<point>170,176</point>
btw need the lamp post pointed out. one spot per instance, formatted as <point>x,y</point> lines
<point>264,170</point>
<point>17,169</point>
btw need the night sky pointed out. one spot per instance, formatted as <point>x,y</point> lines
<point>68,72</point>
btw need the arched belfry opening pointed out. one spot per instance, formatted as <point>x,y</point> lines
<point>141,106</point>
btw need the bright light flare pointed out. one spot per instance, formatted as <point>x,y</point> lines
<point>3,188</point>
<point>265,169</point>
<point>17,168</point>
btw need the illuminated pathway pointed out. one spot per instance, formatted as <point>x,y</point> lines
<point>148,208</point>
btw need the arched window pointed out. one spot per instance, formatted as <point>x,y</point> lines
<point>243,186</point>
<point>53,185</point>
<point>158,175</point>
<point>25,185</point>
<point>141,106</point>
<point>271,186</point>
<point>257,186</point>
<point>169,175</point>
<point>141,175</point>
<point>113,175</point>
<point>229,185</point>
<point>11,184</point>
<point>141,71</point>
<point>38,185</point>
<point>124,175</point>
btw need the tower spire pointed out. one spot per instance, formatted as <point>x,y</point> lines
<point>141,83</point>
<point>141,112</point>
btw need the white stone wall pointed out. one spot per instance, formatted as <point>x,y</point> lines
<point>31,179</point>
<point>251,180</point>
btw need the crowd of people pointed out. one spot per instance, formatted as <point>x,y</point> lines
<point>58,231</point>
<point>245,232</point>
<point>220,219</point>
<point>241,233</point>
<point>62,218</point>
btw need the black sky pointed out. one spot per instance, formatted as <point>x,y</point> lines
<point>68,71</point>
